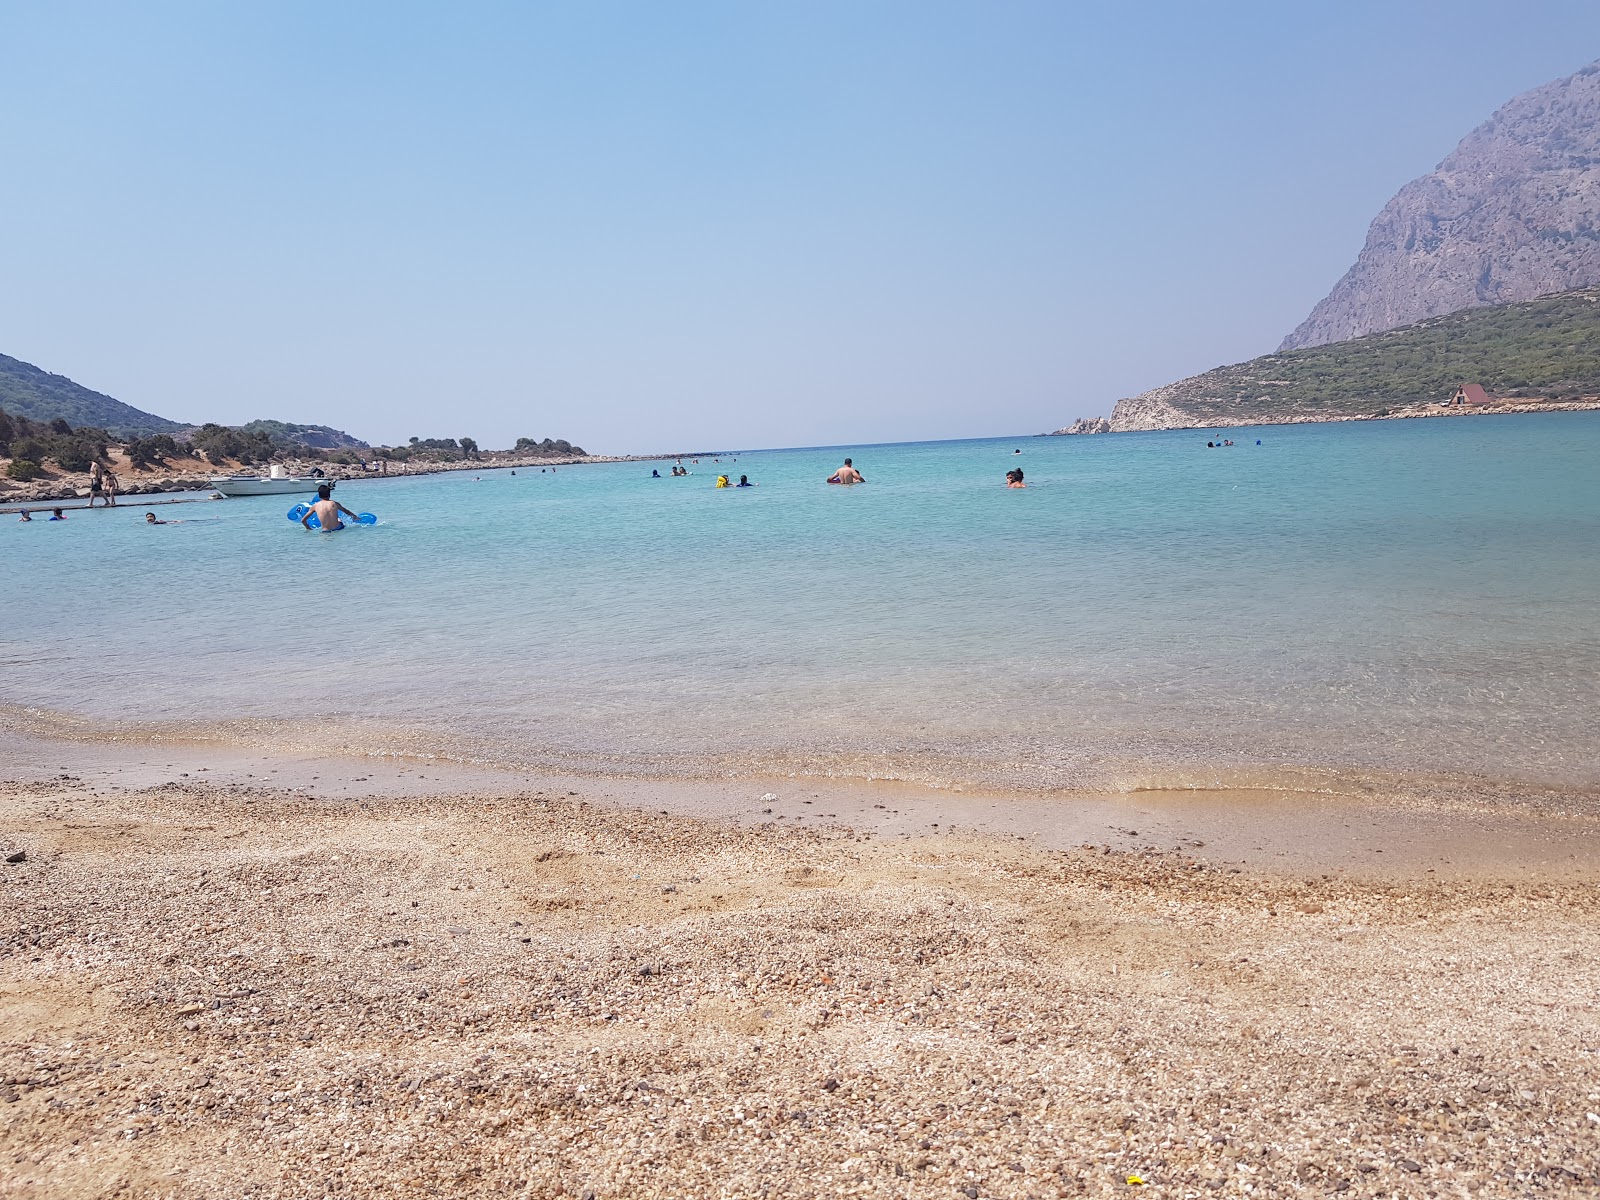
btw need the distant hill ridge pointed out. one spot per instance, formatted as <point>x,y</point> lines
<point>321,437</point>
<point>40,396</point>
<point>1540,349</point>
<point>1511,214</point>
<point>30,391</point>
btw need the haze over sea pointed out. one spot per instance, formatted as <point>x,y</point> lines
<point>1411,597</point>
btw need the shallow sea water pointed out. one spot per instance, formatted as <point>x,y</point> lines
<point>1399,597</point>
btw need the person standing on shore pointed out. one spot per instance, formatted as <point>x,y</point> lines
<point>97,483</point>
<point>108,481</point>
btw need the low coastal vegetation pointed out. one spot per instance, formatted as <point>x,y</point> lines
<point>52,459</point>
<point>441,450</point>
<point>1545,350</point>
<point>52,428</point>
<point>30,444</point>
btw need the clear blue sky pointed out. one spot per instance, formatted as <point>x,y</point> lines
<point>651,226</point>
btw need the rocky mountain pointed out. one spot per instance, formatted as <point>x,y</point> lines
<point>1512,214</point>
<point>1538,353</point>
<point>28,391</point>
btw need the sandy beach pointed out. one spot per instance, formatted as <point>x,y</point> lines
<point>233,972</point>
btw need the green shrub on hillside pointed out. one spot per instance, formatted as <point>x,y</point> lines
<point>150,451</point>
<point>221,442</point>
<point>23,470</point>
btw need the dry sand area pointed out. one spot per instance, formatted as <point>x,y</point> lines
<point>220,991</point>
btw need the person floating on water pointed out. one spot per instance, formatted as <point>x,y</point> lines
<point>151,519</point>
<point>327,511</point>
<point>56,515</point>
<point>847,474</point>
<point>655,474</point>
<point>744,481</point>
<point>722,481</point>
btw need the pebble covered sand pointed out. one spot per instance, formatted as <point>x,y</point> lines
<point>220,991</point>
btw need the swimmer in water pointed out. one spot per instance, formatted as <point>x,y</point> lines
<point>150,519</point>
<point>848,474</point>
<point>744,481</point>
<point>1014,478</point>
<point>327,511</point>
<point>55,515</point>
<point>26,516</point>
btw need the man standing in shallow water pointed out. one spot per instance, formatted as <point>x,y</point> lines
<point>847,474</point>
<point>327,511</point>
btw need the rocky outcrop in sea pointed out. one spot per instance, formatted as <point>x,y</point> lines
<point>1086,425</point>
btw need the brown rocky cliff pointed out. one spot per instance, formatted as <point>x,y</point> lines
<point>1512,214</point>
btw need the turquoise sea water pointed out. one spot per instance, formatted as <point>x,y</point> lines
<point>1400,596</point>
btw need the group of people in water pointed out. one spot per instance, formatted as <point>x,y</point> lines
<point>329,512</point>
<point>57,514</point>
<point>845,476</point>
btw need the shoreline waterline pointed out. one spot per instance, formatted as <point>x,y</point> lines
<point>1297,826</point>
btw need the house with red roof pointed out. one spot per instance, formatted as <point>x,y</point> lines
<point>1470,394</point>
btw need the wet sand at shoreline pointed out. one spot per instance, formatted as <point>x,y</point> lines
<point>410,979</point>
<point>1295,825</point>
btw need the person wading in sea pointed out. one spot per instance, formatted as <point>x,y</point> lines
<point>848,474</point>
<point>327,511</point>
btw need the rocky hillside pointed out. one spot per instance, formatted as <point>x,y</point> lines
<point>1512,214</point>
<point>1545,351</point>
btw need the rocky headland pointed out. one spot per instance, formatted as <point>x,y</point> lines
<point>1535,356</point>
<point>1513,213</point>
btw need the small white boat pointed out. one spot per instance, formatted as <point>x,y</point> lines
<point>277,482</point>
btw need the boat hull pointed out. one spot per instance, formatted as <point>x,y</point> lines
<point>248,486</point>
